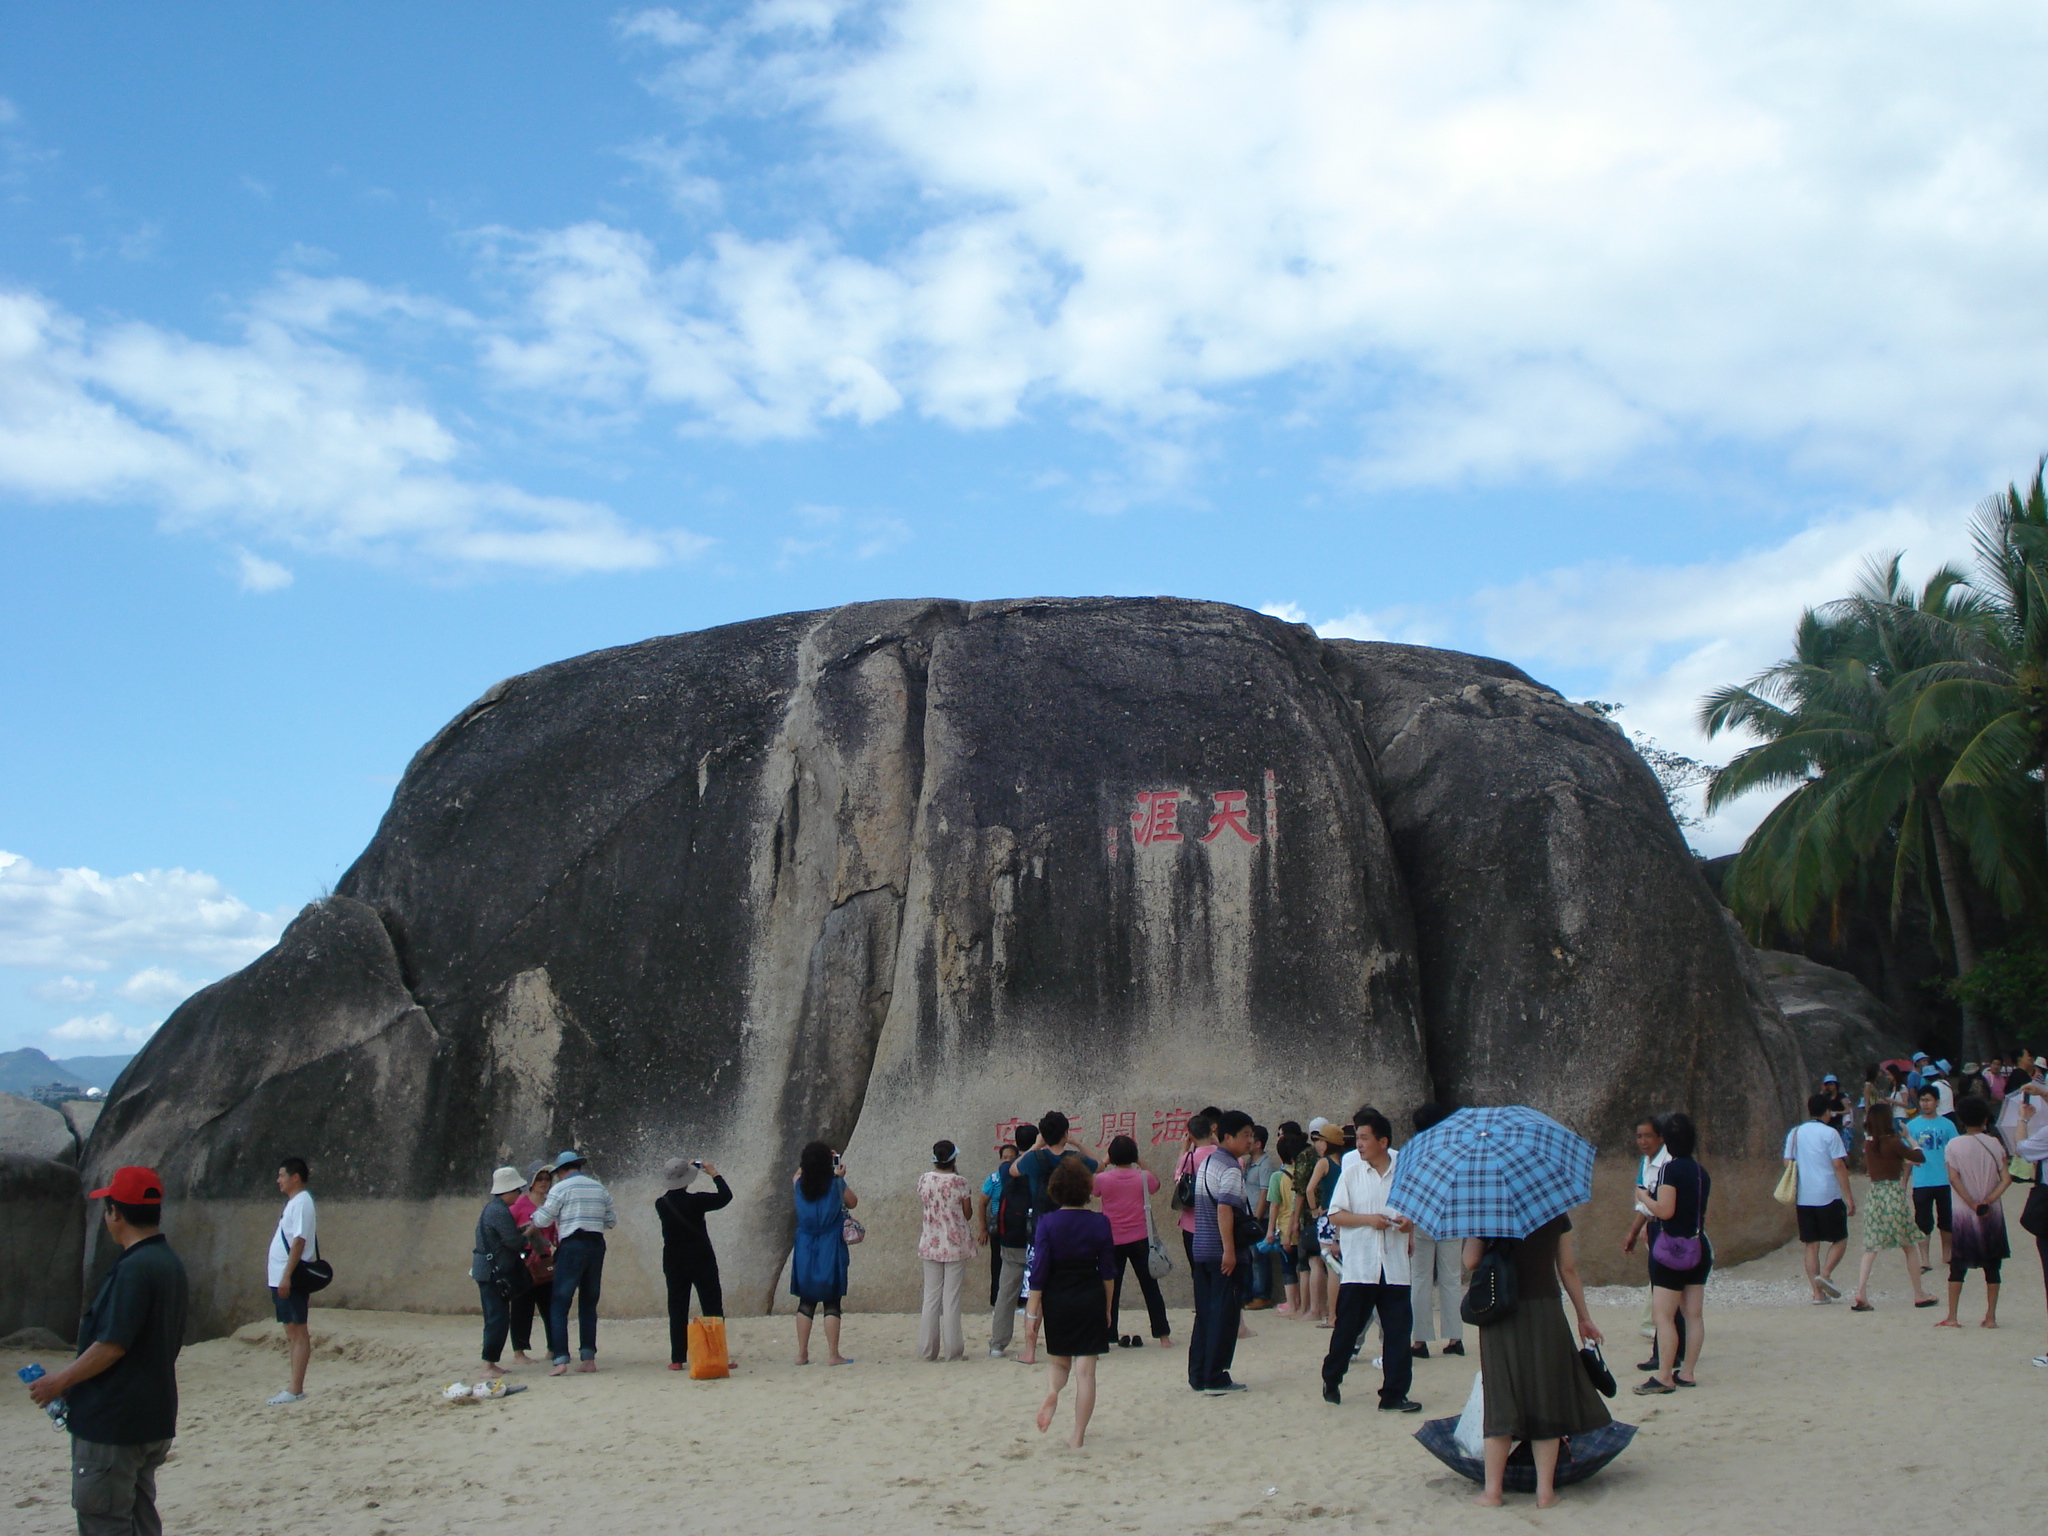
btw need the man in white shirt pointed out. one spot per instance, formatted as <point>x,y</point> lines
<point>1652,1155</point>
<point>296,1240</point>
<point>1373,1271</point>
<point>1825,1200</point>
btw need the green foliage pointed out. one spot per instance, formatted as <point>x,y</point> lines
<point>1677,775</point>
<point>2009,987</point>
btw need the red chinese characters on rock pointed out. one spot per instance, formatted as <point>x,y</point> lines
<point>1157,818</point>
<point>1119,1122</point>
<point>1229,814</point>
<point>1169,1125</point>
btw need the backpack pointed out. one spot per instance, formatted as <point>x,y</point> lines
<point>1494,1291</point>
<point>1011,1227</point>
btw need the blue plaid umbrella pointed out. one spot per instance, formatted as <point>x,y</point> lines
<point>1491,1173</point>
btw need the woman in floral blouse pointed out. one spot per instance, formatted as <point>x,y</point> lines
<point>945,1245</point>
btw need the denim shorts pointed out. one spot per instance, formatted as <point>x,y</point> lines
<point>292,1308</point>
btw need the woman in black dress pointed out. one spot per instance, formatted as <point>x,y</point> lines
<point>687,1259</point>
<point>1072,1278</point>
<point>1536,1388</point>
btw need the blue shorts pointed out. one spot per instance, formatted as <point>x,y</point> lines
<point>292,1308</point>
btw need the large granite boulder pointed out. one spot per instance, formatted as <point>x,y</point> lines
<point>29,1129</point>
<point>1842,1026</point>
<point>906,870</point>
<point>42,1235</point>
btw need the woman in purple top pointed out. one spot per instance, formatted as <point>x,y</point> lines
<point>1073,1266</point>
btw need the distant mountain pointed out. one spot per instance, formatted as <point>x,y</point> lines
<point>27,1069</point>
<point>95,1071</point>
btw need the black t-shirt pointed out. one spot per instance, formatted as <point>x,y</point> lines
<point>140,1307</point>
<point>684,1237</point>
<point>1692,1185</point>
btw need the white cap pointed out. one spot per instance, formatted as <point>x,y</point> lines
<point>1316,1124</point>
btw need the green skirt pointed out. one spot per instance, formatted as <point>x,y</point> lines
<point>1536,1386</point>
<point>1887,1219</point>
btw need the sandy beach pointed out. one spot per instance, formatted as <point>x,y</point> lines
<point>1878,1417</point>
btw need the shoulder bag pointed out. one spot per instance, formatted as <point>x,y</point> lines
<point>1184,1182</point>
<point>1494,1291</point>
<point>850,1230</point>
<point>1675,1252</point>
<point>2034,1214</point>
<point>1158,1262</point>
<point>1787,1192</point>
<point>312,1275</point>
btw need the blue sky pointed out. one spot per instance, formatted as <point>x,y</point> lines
<point>353,358</point>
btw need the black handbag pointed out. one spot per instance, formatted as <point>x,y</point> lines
<point>2034,1214</point>
<point>1596,1370</point>
<point>312,1275</point>
<point>1493,1293</point>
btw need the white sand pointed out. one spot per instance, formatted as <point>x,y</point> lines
<point>1805,1417</point>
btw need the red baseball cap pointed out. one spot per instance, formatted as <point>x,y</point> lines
<point>133,1186</point>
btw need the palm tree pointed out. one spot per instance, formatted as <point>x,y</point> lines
<point>1863,794</point>
<point>1993,701</point>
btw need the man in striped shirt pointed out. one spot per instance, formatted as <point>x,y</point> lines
<point>580,1210</point>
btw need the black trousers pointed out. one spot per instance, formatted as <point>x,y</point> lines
<point>702,1274</point>
<point>541,1299</point>
<point>1212,1342</point>
<point>1356,1305</point>
<point>995,1271</point>
<point>1155,1304</point>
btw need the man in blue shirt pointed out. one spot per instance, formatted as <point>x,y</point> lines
<point>1931,1131</point>
<point>985,1233</point>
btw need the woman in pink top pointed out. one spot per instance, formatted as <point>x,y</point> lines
<point>1124,1187</point>
<point>944,1245</point>
<point>540,1264</point>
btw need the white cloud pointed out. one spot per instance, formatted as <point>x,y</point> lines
<point>1657,638</point>
<point>257,574</point>
<point>80,920</point>
<point>283,435</point>
<point>99,1029</point>
<point>1543,238</point>
<point>66,991</point>
<point>158,985</point>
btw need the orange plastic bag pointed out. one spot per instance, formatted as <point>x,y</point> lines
<point>707,1349</point>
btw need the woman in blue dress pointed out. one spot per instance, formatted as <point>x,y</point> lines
<point>817,1267</point>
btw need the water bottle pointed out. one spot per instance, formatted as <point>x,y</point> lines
<point>60,1410</point>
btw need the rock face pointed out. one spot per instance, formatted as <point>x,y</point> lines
<point>906,870</point>
<point>1841,1024</point>
<point>35,1130</point>
<point>42,1235</point>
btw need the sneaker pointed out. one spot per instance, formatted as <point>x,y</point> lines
<point>1406,1405</point>
<point>1225,1386</point>
<point>1332,1395</point>
<point>286,1396</point>
<point>997,1354</point>
<point>1828,1286</point>
<point>2042,1361</point>
<point>1419,1351</point>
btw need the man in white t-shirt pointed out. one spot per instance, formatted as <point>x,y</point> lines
<point>1374,1273</point>
<point>296,1240</point>
<point>1651,1156</point>
<point>1825,1200</point>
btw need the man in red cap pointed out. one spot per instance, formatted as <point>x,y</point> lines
<point>123,1387</point>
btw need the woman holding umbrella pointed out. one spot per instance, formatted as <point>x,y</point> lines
<point>1509,1176</point>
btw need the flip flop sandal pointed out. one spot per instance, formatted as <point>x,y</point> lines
<point>1929,1302</point>
<point>1861,1306</point>
<point>1683,1382</point>
<point>1654,1388</point>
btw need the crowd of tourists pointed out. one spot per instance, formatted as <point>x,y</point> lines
<point>1306,1225</point>
<point>1940,1148</point>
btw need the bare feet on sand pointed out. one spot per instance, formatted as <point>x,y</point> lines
<point>1948,1322</point>
<point>803,1359</point>
<point>492,1368</point>
<point>1045,1413</point>
<point>1487,1500</point>
<point>559,1370</point>
<point>588,1367</point>
<point>522,1357</point>
<point>1543,1503</point>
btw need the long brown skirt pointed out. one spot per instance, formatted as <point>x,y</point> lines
<point>1536,1388</point>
